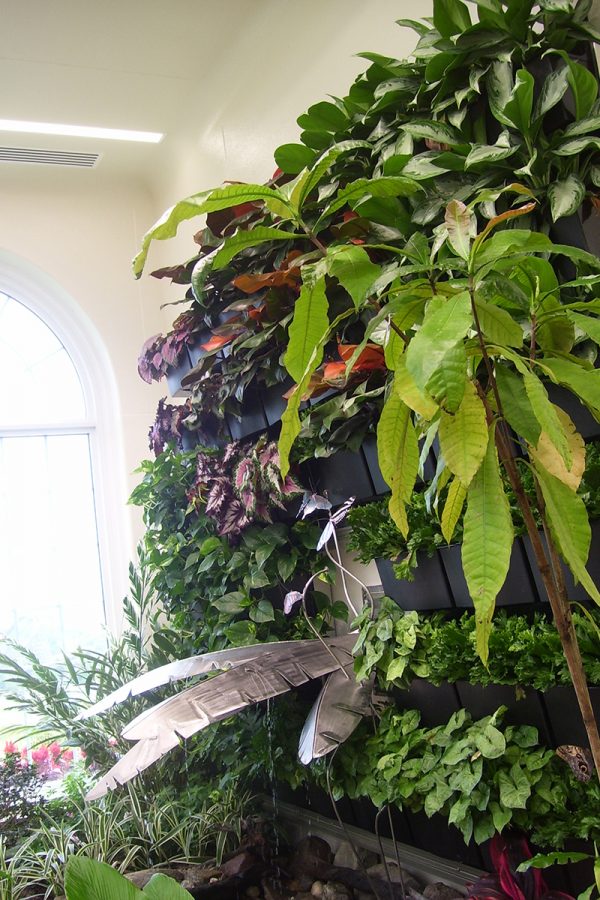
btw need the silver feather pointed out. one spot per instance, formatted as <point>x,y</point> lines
<point>335,714</point>
<point>279,667</point>
<point>178,670</point>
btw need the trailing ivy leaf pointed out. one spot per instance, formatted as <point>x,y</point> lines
<point>487,544</point>
<point>546,455</point>
<point>546,414</point>
<point>585,383</point>
<point>500,816</point>
<point>498,325</point>
<point>446,322</point>
<point>461,226</point>
<point>262,612</point>
<point>398,453</point>
<point>292,158</point>
<point>406,388</point>
<point>453,508</point>
<point>353,268</point>
<point>565,196</point>
<point>464,436</point>
<point>570,527</point>
<point>516,405</point>
<point>520,103</point>
<point>209,201</point>
<point>309,324</point>
<point>243,239</point>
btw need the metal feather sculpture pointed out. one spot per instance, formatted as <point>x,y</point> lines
<point>249,675</point>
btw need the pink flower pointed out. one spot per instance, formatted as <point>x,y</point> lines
<point>55,750</point>
<point>10,747</point>
<point>40,755</point>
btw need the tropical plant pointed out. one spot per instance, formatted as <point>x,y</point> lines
<point>88,879</point>
<point>21,797</point>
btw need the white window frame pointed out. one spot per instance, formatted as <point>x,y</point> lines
<point>41,294</point>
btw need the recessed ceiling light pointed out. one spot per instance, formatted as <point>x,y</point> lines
<point>81,131</point>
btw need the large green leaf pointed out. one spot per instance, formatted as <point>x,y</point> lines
<point>505,244</point>
<point>324,116</point>
<point>352,267</point>
<point>585,383</point>
<point>520,103</point>
<point>88,879</point>
<point>461,226</point>
<point>487,543</point>
<point>554,88</point>
<point>292,158</point>
<point>308,181</point>
<point>489,153</point>
<point>497,325</point>
<point>570,527</point>
<point>577,145</point>
<point>433,131</point>
<point>445,323</point>
<point>398,453</point>
<point>516,405</point>
<point>309,324</point>
<point>499,85</point>
<point>447,384</point>
<point>583,84</point>
<point>565,196</point>
<point>209,201</point>
<point>588,324</point>
<point>464,436</point>
<point>241,240</point>
<point>385,187</point>
<point>160,887</point>
<point>545,412</point>
<point>404,309</point>
<point>450,17</point>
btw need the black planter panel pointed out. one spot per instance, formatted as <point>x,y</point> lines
<point>273,402</point>
<point>428,590</point>
<point>253,419</point>
<point>519,587</point>
<point>341,476</point>
<point>564,716</point>
<point>436,836</point>
<point>484,700</point>
<point>176,373</point>
<point>380,486</point>
<point>574,591</point>
<point>436,703</point>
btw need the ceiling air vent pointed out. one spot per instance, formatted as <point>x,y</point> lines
<point>48,157</point>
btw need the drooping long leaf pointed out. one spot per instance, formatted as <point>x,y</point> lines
<point>447,384</point>
<point>570,527</point>
<point>545,455</point>
<point>464,436</point>
<point>497,325</point>
<point>446,322</point>
<point>336,712</point>
<point>487,543</point>
<point>546,414</point>
<point>519,106</point>
<point>406,388</point>
<point>90,879</point>
<point>208,201</point>
<point>309,324</point>
<point>585,383</point>
<point>275,672</point>
<point>516,405</point>
<point>588,324</point>
<point>398,452</point>
<point>453,508</point>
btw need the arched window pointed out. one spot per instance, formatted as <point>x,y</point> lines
<point>57,562</point>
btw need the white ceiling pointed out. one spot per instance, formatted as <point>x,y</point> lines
<point>187,68</point>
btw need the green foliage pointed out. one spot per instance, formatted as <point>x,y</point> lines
<point>481,776</point>
<point>21,798</point>
<point>524,652</point>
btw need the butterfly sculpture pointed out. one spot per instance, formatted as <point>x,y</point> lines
<point>248,675</point>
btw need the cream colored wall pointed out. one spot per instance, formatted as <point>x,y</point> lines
<point>82,231</point>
